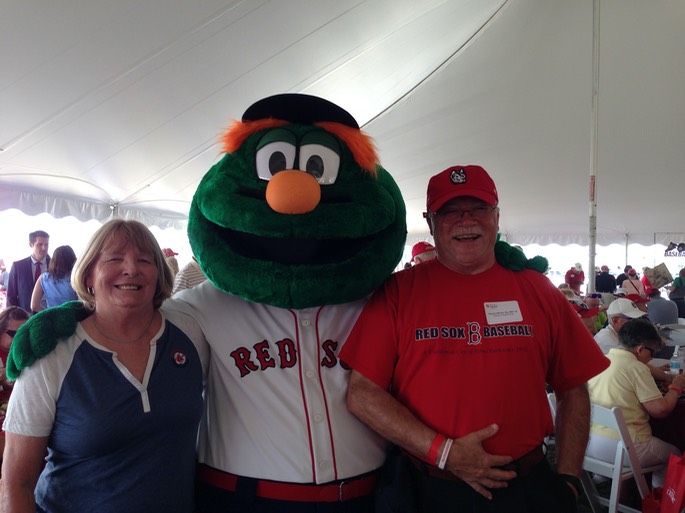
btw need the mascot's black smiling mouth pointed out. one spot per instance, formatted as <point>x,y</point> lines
<point>325,198</point>
<point>292,251</point>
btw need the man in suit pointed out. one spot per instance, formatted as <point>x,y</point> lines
<point>25,272</point>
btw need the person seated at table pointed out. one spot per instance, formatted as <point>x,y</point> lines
<point>587,314</point>
<point>640,302</point>
<point>628,384</point>
<point>660,310</point>
<point>595,300</point>
<point>620,312</point>
<point>620,292</point>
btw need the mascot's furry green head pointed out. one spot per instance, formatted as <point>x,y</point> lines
<point>298,213</point>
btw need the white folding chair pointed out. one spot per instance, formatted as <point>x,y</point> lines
<point>625,465</point>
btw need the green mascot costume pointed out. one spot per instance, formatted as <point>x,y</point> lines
<point>294,227</point>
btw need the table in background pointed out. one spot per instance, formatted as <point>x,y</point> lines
<point>671,428</point>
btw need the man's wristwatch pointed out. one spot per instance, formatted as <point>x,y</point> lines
<point>573,481</point>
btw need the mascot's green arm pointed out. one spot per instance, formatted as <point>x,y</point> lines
<point>39,335</point>
<point>513,258</point>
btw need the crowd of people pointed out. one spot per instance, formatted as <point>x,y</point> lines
<point>639,323</point>
<point>470,454</point>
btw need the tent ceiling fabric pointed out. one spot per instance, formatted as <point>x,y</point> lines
<point>116,107</point>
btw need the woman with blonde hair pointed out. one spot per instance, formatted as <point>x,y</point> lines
<point>116,406</point>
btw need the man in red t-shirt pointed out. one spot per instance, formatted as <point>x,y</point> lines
<point>451,359</point>
<point>575,277</point>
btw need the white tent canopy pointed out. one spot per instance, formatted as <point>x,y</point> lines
<point>114,108</point>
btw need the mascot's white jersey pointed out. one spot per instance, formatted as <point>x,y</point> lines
<point>276,393</point>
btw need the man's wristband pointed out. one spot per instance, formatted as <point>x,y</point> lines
<point>573,481</point>
<point>445,453</point>
<point>676,389</point>
<point>432,457</point>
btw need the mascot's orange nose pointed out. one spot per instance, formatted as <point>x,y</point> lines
<point>293,192</point>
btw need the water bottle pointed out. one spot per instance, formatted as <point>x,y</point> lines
<point>675,361</point>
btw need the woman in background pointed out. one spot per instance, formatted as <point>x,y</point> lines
<point>10,319</point>
<point>633,284</point>
<point>55,284</point>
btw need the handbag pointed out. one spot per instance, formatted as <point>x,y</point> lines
<point>652,503</point>
<point>673,494</point>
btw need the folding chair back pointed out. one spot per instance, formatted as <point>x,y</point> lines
<point>624,466</point>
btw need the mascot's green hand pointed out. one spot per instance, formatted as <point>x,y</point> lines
<point>513,258</point>
<point>538,263</point>
<point>39,335</point>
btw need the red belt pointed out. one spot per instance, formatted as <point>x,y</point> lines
<point>339,491</point>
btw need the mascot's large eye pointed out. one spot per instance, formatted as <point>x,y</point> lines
<point>321,162</point>
<point>274,157</point>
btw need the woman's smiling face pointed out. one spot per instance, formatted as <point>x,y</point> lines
<point>124,276</point>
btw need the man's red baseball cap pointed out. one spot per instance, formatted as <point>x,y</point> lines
<point>457,181</point>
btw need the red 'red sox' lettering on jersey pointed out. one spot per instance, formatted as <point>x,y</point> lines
<point>260,358</point>
<point>473,333</point>
<point>285,362</point>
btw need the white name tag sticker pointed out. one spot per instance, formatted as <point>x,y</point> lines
<point>503,312</point>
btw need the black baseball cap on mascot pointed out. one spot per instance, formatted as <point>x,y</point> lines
<point>298,212</point>
<point>299,108</point>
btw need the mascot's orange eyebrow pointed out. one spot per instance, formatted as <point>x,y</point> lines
<point>236,134</point>
<point>360,144</point>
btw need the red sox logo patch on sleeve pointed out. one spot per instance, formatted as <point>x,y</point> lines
<point>179,357</point>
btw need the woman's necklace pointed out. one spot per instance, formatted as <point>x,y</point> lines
<point>124,341</point>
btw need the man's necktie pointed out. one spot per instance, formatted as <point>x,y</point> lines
<point>35,278</point>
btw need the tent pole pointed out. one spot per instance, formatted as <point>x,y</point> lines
<point>592,241</point>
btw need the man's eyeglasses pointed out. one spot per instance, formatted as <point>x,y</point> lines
<point>595,295</point>
<point>11,333</point>
<point>453,215</point>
